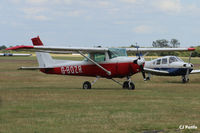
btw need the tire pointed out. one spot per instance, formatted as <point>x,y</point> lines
<point>184,80</point>
<point>87,85</point>
<point>132,86</point>
<point>125,85</point>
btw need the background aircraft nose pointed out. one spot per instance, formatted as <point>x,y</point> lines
<point>188,65</point>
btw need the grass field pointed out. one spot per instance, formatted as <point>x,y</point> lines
<point>32,102</point>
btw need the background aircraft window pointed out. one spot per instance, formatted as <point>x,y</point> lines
<point>179,59</point>
<point>164,61</point>
<point>158,62</point>
<point>99,57</point>
<point>154,63</point>
<point>172,59</point>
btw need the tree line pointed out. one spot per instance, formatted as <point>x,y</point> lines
<point>173,43</point>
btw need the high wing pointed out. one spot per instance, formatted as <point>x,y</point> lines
<point>33,68</point>
<point>195,71</point>
<point>156,72</point>
<point>90,49</point>
<point>158,49</point>
<point>58,49</point>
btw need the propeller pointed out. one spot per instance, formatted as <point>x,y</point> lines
<point>140,61</point>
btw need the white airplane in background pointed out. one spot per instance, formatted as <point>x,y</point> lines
<point>170,66</point>
<point>11,54</point>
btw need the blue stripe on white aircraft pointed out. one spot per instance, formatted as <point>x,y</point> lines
<point>169,66</point>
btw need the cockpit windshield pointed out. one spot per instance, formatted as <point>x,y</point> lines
<point>179,59</point>
<point>115,52</point>
<point>174,59</point>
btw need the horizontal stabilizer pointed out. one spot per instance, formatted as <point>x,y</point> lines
<point>30,68</point>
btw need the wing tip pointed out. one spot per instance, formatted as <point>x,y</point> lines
<point>20,47</point>
<point>191,49</point>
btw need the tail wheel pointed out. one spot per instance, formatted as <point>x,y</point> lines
<point>87,85</point>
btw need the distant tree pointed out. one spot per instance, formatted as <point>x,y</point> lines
<point>133,46</point>
<point>175,43</point>
<point>3,47</point>
<point>163,43</point>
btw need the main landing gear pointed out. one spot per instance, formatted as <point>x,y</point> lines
<point>88,85</point>
<point>126,85</point>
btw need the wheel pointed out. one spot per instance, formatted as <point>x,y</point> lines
<point>132,86</point>
<point>184,80</point>
<point>87,85</point>
<point>125,85</point>
<point>148,78</point>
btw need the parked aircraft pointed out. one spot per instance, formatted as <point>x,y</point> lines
<point>107,63</point>
<point>170,66</point>
<point>15,54</point>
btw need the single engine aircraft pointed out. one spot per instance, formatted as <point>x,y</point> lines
<point>107,63</point>
<point>170,66</point>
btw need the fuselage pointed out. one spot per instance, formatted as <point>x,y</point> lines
<point>119,67</point>
<point>171,64</point>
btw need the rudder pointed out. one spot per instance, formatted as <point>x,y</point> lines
<point>44,59</point>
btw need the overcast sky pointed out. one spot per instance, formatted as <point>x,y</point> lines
<point>99,22</point>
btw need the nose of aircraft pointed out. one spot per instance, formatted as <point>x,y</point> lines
<point>139,61</point>
<point>188,65</point>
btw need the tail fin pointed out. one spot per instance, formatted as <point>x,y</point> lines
<point>36,41</point>
<point>44,59</point>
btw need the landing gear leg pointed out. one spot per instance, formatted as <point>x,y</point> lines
<point>148,77</point>
<point>128,84</point>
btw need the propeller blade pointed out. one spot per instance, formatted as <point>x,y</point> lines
<point>143,73</point>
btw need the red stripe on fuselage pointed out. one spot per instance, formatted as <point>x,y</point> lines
<point>116,69</point>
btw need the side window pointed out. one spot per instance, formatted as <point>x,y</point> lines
<point>158,62</point>
<point>99,57</point>
<point>154,63</point>
<point>164,61</point>
<point>172,59</point>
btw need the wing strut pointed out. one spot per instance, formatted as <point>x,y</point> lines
<point>108,72</point>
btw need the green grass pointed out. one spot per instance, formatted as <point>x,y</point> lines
<point>33,102</point>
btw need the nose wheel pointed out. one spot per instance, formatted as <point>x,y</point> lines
<point>128,85</point>
<point>185,79</point>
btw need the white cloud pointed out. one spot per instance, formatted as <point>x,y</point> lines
<point>142,29</point>
<point>15,1</point>
<point>168,6</point>
<point>75,13</point>
<point>35,13</point>
<point>104,3</point>
<point>133,1</point>
<point>68,2</point>
<point>36,1</point>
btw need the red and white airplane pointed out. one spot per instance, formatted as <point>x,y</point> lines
<point>107,63</point>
